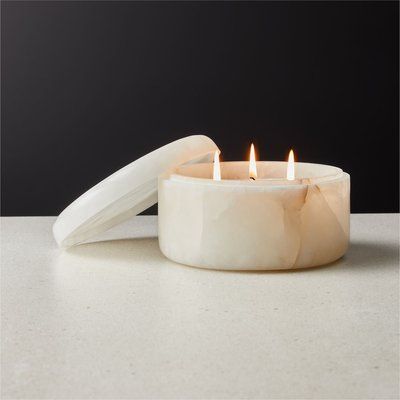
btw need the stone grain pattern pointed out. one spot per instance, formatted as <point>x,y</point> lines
<point>254,227</point>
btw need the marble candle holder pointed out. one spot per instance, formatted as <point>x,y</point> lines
<point>267,224</point>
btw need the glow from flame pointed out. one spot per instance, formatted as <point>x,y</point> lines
<point>217,168</point>
<point>252,163</point>
<point>290,167</point>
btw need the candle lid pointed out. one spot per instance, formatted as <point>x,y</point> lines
<point>127,192</point>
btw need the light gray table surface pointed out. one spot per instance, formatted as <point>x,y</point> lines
<point>116,320</point>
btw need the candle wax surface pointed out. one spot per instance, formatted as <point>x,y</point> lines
<point>270,171</point>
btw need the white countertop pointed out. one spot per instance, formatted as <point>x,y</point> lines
<point>117,320</point>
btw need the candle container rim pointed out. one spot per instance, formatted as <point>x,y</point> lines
<point>270,183</point>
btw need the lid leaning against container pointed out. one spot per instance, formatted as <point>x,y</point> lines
<point>127,192</point>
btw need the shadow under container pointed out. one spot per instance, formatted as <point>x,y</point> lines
<point>270,223</point>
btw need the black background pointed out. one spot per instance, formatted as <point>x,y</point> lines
<point>88,87</point>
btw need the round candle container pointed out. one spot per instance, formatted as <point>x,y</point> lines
<point>265,224</point>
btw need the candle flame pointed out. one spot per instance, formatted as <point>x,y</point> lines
<point>216,169</point>
<point>290,167</point>
<point>252,163</point>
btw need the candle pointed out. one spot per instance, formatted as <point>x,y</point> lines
<point>290,167</point>
<point>245,215</point>
<point>252,163</point>
<point>277,221</point>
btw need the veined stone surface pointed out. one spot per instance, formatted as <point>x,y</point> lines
<point>245,225</point>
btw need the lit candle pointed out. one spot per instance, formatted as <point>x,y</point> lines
<point>290,167</point>
<point>252,163</point>
<point>284,219</point>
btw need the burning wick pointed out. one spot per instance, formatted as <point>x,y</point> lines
<point>252,164</point>
<point>290,167</point>
<point>216,169</point>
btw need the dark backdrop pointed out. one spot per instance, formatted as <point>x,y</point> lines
<point>88,87</point>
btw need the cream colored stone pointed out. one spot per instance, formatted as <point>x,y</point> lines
<point>127,192</point>
<point>240,224</point>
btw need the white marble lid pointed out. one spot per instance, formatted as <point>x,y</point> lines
<point>127,192</point>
